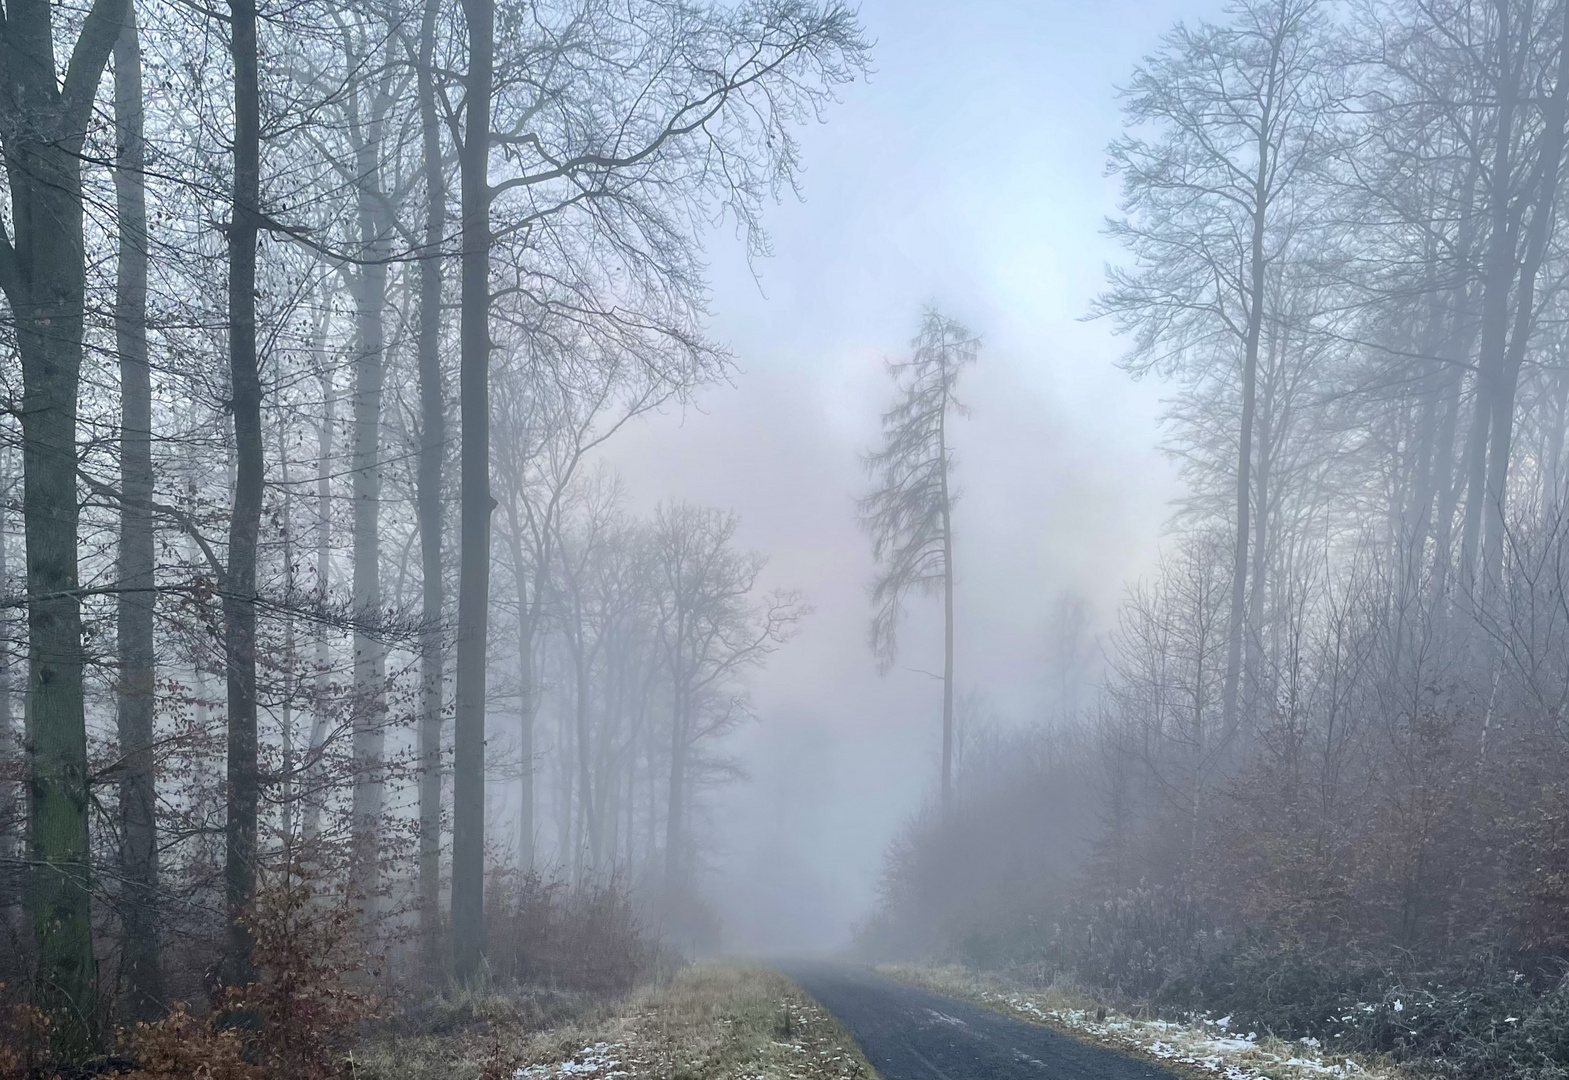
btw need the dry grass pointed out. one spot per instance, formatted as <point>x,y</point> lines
<point>710,1022</point>
<point>1200,1048</point>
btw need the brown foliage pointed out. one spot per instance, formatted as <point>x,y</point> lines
<point>180,1046</point>
<point>24,1034</point>
<point>1544,857</point>
<point>295,1022</point>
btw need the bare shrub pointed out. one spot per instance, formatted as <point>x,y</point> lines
<point>586,937</point>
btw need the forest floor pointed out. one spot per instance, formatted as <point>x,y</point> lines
<point>1198,1047</point>
<point>720,1021</point>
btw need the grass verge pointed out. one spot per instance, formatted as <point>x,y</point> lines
<point>723,1021</point>
<point>1199,1047</point>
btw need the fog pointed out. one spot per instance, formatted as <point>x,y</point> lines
<point>549,538</point>
<point>969,173</point>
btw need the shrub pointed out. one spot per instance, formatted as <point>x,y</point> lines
<point>586,937</point>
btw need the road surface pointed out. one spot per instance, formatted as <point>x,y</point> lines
<point>910,1034</point>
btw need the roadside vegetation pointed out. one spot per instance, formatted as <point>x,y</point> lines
<point>718,1021</point>
<point>1196,1046</point>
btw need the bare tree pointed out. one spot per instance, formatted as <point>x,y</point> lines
<point>1238,113</point>
<point>239,578</point>
<point>432,455</point>
<point>710,630</point>
<point>678,98</point>
<point>134,629</point>
<point>909,514</point>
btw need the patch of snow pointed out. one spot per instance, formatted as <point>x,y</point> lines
<point>591,1063</point>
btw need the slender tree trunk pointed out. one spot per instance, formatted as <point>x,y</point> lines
<point>315,769</point>
<point>1417,516</point>
<point>1236,628</point>
<point>135,699</point>
<point>239,593</point>
<point>585,771</point>
<point>947,610</point>
<point>1497,283</point>
<point>468,832</point>
<point>675,810</point>
<point>651,755</point>
<point>1253,659</point>
<point>1538,234</point>
<point>370,663</point>
<point>565,771</point>
<point>432,449</point>
<point>1553,454</point>
<point>1461,335</point>
<point>290,787</point>
<point>1447,478</point>
<point>11,888</point>
<point>527,706</point>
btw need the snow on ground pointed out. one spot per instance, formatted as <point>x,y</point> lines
<point>1210,1046</point>
<point>597,1062</point>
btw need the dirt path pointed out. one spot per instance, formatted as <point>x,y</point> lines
<point>910,1034</point>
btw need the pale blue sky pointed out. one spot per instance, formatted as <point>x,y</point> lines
<point>969,171</point>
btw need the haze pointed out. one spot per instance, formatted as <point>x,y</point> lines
<point>969,173</point>
<point>769,538</point>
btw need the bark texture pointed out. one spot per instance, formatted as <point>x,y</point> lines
<point>135,700</point>
<point>468,794</point>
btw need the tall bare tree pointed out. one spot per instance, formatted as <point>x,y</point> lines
<point>432,456</point>
<point>468,782</point>
<point>239,579</point>
<point>1237,112</point>
<point>139,911</point>
<point>909,513</point>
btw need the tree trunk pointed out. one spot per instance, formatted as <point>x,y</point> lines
<point>315,768</point>
<point>239,592</point>
<point>1417,512</point>
<point>1253,659</point>
<point>11,857</point>
<point>468,785</point>
<point>288,796</point>
<point>1453,357</point>
<point>527,709</point>
<point>1497,282</point>
<point>1236,627</point>
<point>675,810</point>
<point>370,662</point>
<point>1553,454</point>
<point>43,274</point>
<point>134,626</point>
<point>947,609</point>
<point>1538,234</point>
<point>585,771</point>
<point>432,448</point>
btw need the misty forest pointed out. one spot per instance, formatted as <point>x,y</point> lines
<point>766,538</point>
